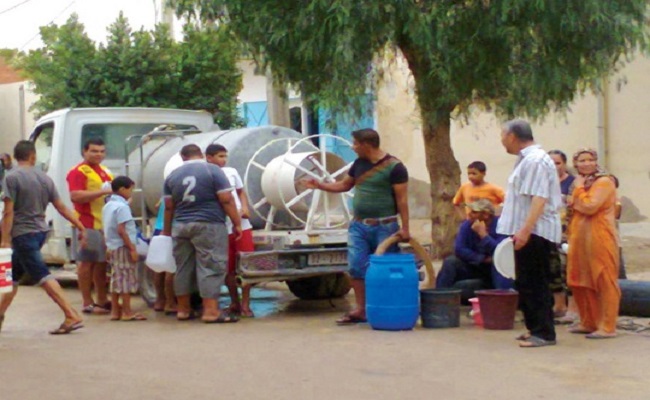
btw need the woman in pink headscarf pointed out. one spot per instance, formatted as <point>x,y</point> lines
<point>593,259</point>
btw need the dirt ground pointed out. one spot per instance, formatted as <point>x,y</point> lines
<point>293,350</point>
<point>636,251</point>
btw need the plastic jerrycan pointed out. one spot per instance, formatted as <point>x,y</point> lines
<point>392,293</point>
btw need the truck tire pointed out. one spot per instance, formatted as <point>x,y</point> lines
<point>147,286</point>
<point>320,287</point>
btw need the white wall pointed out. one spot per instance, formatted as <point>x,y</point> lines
<point>15,119</point>
<point>254,85</point>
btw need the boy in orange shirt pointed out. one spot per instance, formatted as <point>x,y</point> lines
<point>476,189</point>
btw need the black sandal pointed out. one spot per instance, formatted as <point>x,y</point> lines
<point>223,318</point>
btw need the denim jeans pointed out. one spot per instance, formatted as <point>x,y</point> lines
<point>363,241</point>
<point>27,259</point>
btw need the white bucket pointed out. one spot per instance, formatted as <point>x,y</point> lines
<point>6,280</point>
<point>160,257</point>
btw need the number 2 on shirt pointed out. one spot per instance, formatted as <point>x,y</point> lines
<point>190,182</point>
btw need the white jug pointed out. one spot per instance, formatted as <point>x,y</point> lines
<point>6,281</point>
<point>160,257</point>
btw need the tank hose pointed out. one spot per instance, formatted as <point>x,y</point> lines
<point>430,282</point>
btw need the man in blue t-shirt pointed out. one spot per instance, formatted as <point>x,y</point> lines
<point>197,200</point>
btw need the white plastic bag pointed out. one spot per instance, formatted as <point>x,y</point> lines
<point>160,257</point>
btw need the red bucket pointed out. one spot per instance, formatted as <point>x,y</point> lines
<point>498,308</point>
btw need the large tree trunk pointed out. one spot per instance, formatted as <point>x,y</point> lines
<point>444,174</point>
<point>443,168</point>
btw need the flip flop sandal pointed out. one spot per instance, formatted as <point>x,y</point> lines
<point>247,314</point>
<point>64,329</point>
<point>595,335</point>
<point>134,317</point>
<point>535,341</point>
<point>77,325</point>
<point>95,309</point>
<point>523,336</point>
<point>224,318</point>
<point>351,319</point>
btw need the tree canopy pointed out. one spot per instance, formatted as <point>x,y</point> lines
<point>516,57</point>
<point>136,69</point>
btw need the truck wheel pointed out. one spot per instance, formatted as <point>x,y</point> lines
<point>147,286</point>
<point>320,287</point>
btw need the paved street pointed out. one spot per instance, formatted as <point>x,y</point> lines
<point>294,351</point>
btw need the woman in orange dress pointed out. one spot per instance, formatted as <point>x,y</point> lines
<point>593,259</point>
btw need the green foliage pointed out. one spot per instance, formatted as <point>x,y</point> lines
<point>136,69</point>
<point>516,56</point>
<point>64,72</point>
<point>8,54</point>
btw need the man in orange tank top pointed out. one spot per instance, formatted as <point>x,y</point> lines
<point>89,183</point>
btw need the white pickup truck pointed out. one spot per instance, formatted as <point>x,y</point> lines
<point>309,256</point>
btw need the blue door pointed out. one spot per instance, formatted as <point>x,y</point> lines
<point>343,127</point>
<point>254,113</point>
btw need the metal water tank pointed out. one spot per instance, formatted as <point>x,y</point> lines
<point>147,163</point>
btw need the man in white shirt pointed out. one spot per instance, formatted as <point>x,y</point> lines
<point>530,215</point>
<point>218,155</point>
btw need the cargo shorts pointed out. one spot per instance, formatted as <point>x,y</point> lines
<point>95,250</point>
<point>201,255</point>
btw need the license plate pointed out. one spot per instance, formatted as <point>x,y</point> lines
<point>333,258</point>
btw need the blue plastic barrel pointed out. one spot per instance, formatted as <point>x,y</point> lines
<point>392,294</point>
